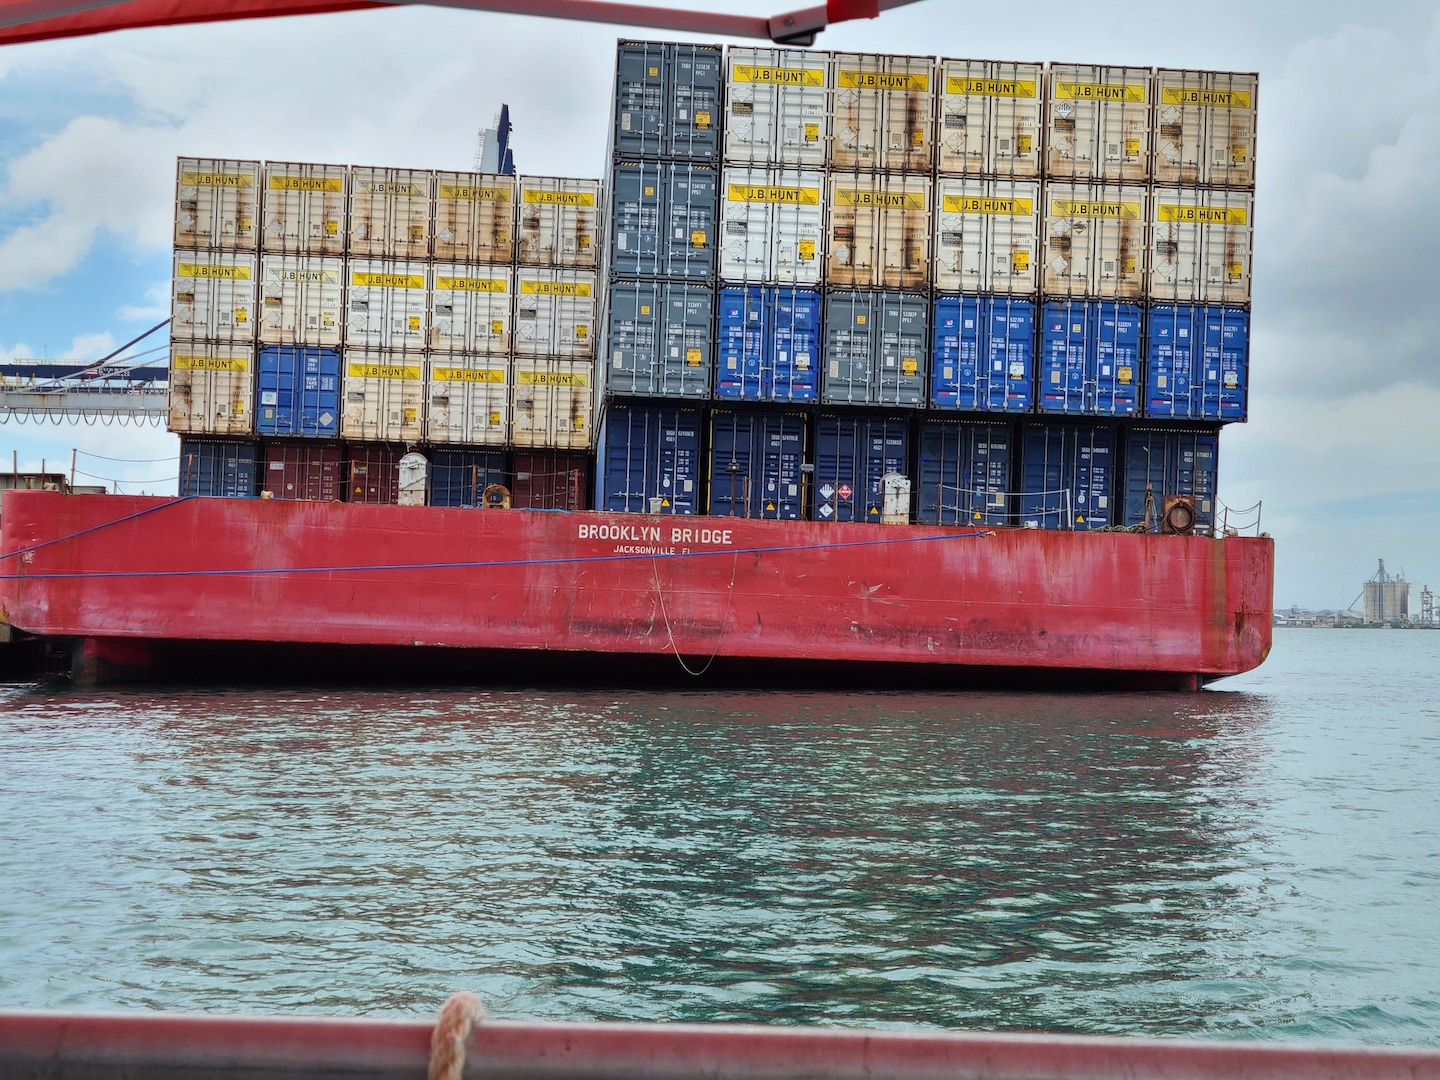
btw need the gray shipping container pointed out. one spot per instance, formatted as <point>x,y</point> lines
<point>876,348</point>
<point>660,341</point>
<point>664,220</point>
<point>667,101</point>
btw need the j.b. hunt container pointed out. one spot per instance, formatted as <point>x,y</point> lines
<point>1090,357</point>
<point>1205,128</point>
<point>876,346</point>
<point>302,470</point>
<point>387,305</point>
<point>211,388</point>
<point>304,209</point>
<point>777,107</point>
<point>964,476</point>
<point>552,403</point>
<point>769,343</point>
<point>217,204</point>
<point>468,399</point>
<point>470,308</point>
<point>390,213</point>
<point>301,300</point>
<point>984,353</point>
<point>384,394</point>
<point>475,218</point>
<point>299,391</point>
<point>1200,241</point>
<point>556,312</point>
<point>560,223</point>
<point>213,297</point>
<point>460,477</point>
<point>772,226</point>
<point>1094,240</point>
<point>852,456</point>
<point>217,469</point>
<point>1197,362</point>
<point>1067,473</point>
<point>1161,464</point>
<point>649,460</point>
<point>1098,123</point>
<point>990,118</point>
<point>663,220</point>
<point>879,230</point>
<point>660,340</point>
<point>987,236</point>
<point>667,101</point>
<point>883,113</point>
<point>755,465</point>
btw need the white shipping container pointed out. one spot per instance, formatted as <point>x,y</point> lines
<point>553,403</point>
<point>304,209</point>
<point>470,308</point>
<point>468,400</point>
<point>1097,123</point>
<point>883,113</point>
<point>384,396</point>
<point>213,297</point>
<point>879,230</point>
<point>772,226</point>
<point>211,387</point>
<point>474,217</point>
<point>1205,128</point>
<point>990,117</point>
<point>560,222</point>
<point>987,235</point>
<point>777,106</point>
<point>387,304</point>
<point>217,204</point>
<point>301,300</point>
<point>1095,241</point>
<point>390,213</point>
<point>1200,242</point>
<point>555,312</point>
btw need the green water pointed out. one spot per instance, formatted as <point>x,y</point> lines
<point>1263,861</point>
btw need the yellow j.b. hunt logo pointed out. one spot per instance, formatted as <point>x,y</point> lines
<point>221,180</point>
<point>206,272</point>
<point>881,80</point>
<point>467,193</point>
<point>886,200</point>
<point>555,288</point>
<point>387,281</point>
<point>384,371</point>
<point>1013,88</point>
<point>304,277</point>
<point>1120,211</point>
<point>472,375</point>
<point>750,73</point>
<point>1205,215</point>
<point>1077,91</point>
<point>389,187</point>
<point>552,378</point>
<point>559,198</point>
<point>307,183</point>
<point>985,204</point>
<point>465,284</point>
<point>771,193</point>
<point>209,363</point>
<point>1215,99</point>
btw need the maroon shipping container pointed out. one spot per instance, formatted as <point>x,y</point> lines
<point>372,474</point>
<point>298,470</point>
<point>551,481</point>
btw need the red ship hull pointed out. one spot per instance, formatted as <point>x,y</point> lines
<point>134,580</point>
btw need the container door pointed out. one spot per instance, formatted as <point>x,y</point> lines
<point>694,88</point>
<point>1064,348</point>
<point>742,343</point>
<point>678,461</point>
<point>640,82</point>
<point>745,229</point>
<point>885,448</point>
<point>1009,353</point>
<point>851,342</point>
<point>1170,361</point>
<point>792,344</point>
<point>955,378</point>
<point>690,217</point>
<point>623,460</point>
<point>1114,372</point>
<point>686,360</point>
<point>836,475</point>
<point>731,437</point>
<point>899,377</point>
<point>1046,495</point>
<point>780,453</point>
<point>635,311</point>
<point>1091,450</point>
<point>1223,373</point>
<point>636,242</point>
<point>796,227</point>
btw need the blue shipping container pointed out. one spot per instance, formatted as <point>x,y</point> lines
<point>667,101</point>
<point>1224,375</point>
<point>965,473</point>
<point>1198,359</point>
<point>769,343</point>
<point>299,391</point>
<point>852,455</point>
<point>1090,357</point>
<point>984,353</point>
<point>649,453</point>
<point>221,469</point>
<point>755,461</point>
<point>1170,361</point>
<point>1066,475</point>
<point>460,477</point>
<point>1164,464</point>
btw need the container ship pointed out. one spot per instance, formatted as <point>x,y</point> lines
<point>852,369</point>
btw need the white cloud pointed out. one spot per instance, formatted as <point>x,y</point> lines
<point>158,308</point>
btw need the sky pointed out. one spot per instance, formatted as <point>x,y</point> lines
<point>1343,443</point>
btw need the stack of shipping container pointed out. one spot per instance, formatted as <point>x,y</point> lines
<point>327,320</point>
